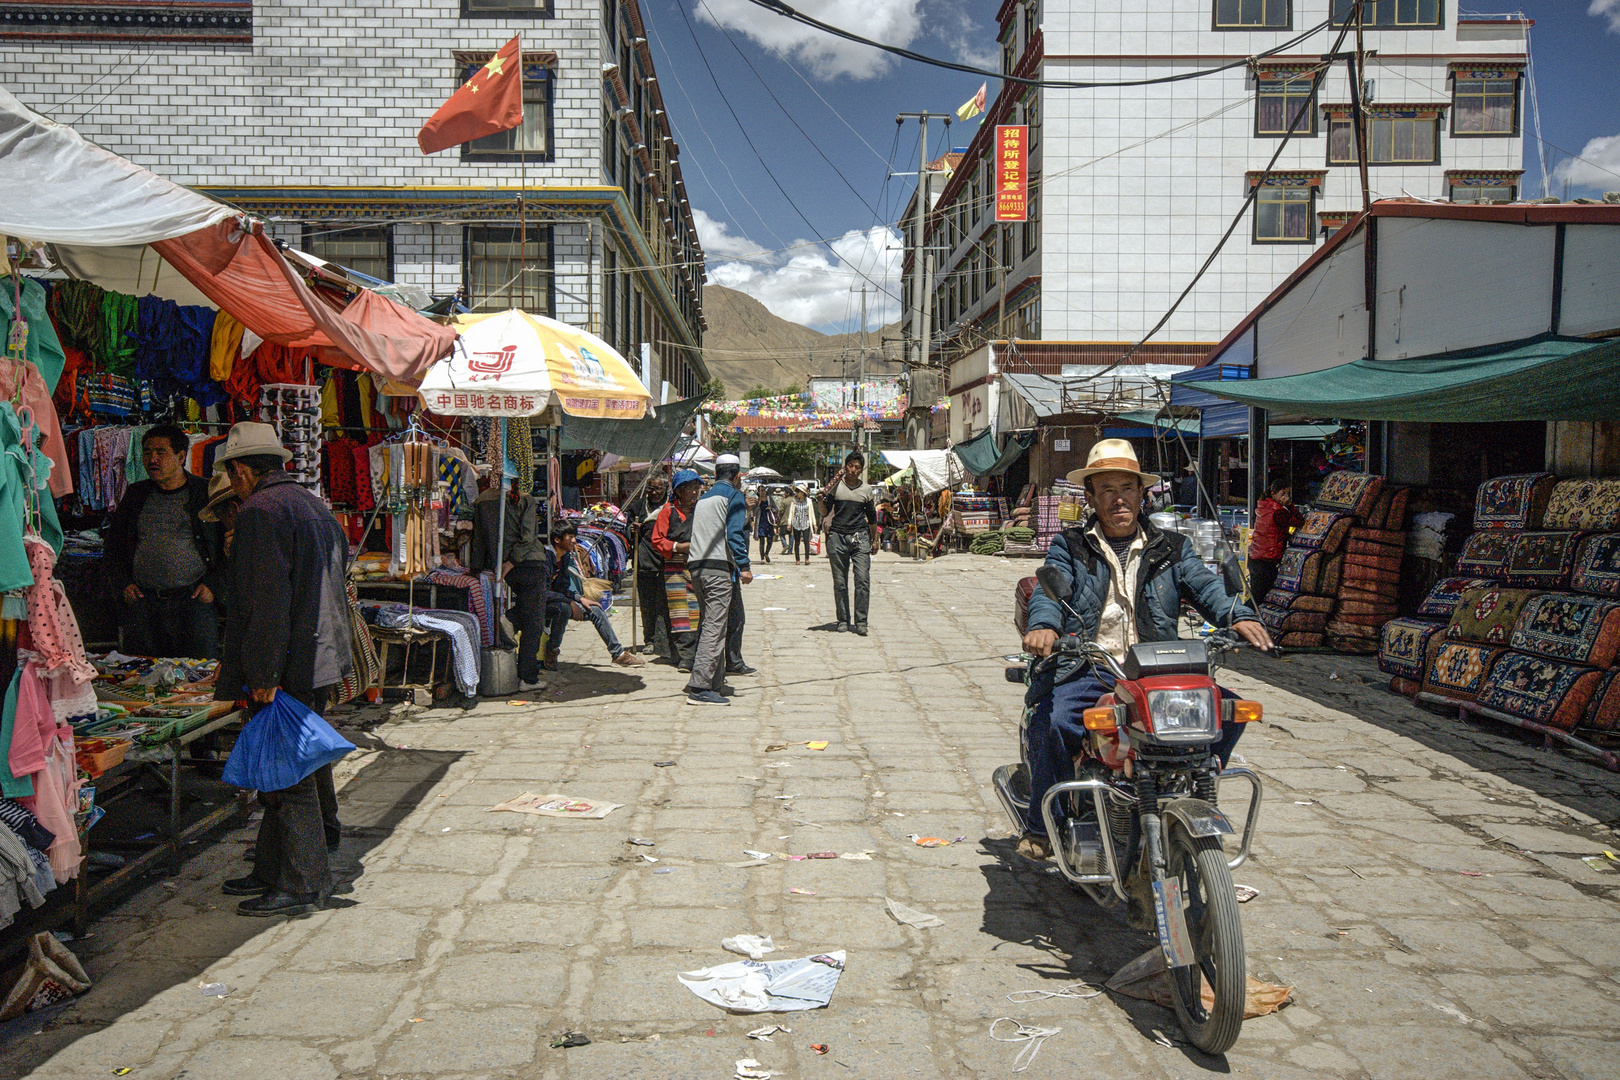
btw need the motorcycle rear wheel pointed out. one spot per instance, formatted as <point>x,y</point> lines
<point>1216,929</point>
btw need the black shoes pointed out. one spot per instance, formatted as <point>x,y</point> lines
<point>279,903</point>
<point>744,670</point>
<point>861,630</point>
<point>245,886</point>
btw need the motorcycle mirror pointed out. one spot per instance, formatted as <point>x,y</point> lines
<point>1054,584</point>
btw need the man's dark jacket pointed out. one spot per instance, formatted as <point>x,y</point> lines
<point>288,622</point>
<point>123,533</point>
<point>1170,572</point>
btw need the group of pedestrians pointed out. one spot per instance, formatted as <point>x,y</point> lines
<point>784,515</point>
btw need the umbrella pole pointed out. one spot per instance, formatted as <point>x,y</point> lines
<point>500,526</point>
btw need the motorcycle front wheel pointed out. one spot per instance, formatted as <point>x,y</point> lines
<point>1209,995</point>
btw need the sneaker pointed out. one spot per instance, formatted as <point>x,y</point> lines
<point>744,670</point>
<point>861,630</point>
<point>245,886</point>
<point>1034,846</point>
<point>629,659</point>
<point>705,697</point>
<point>525,687</point>
<point>843,628</point>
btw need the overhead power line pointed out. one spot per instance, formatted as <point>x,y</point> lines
<point>794,14</point>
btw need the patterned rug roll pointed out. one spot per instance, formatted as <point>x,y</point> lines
<point>1547,691</point>
<point>1404,646</point>
<point>1443,598</point>
<point>1282,621</point>
<point>1324,530</point>
<point>1405,687</point>
<point>1457,669</point>
<point>1597,565</point>
<point>1370,592</point>
<point>1373,574</point>
<point>1487,615</point>
<point>1302,641</point>
<point>1354,493</point>
<point>1293,601</point>
<point>1338,626</point>
<point>1363,610</point>
<point>1584,504</point>
<point>1513,502</point>
<point>1541,560</point>
<point>1395,540</point>
<point>1374,548</point>
<point>1485,554</point>
<point>1569,627</point>
<point>1395,520</point>
<point>1603,712</point>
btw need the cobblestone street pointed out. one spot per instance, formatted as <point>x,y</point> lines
<point>1421,882</point>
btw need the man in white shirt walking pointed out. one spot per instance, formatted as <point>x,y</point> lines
<point>849,514</point>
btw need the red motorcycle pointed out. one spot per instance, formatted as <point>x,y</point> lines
<point>1142,827</point>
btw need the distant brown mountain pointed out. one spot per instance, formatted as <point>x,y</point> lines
<point>746,345</point>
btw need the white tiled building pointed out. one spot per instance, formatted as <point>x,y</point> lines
<point>306,112</point>
<point>1133,186</point>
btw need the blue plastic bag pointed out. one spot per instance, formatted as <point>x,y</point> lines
<point>283,743</point>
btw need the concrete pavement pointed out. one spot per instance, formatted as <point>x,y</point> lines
<point>1422,883</point>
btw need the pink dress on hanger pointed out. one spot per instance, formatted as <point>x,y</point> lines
<point>51,622</point>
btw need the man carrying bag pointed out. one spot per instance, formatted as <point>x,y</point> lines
<point>287,630</point>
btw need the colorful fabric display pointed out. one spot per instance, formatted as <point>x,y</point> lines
<point>1597,565</point>
<point>1366,613</point>
<point>1324,530</point>
<point>1404,646</point>
<point>1513,502</point>
<point>1405,687</point>
<point>1603,711</point>
<point>1382,537</point>
<point>1373,548</point>
<point>1485,554</point>
<point>1302,641</point>
<point>1487,615</point>
<point>1306,571</point>
<point>1351,638</point>
<point>1353,493</point>
<point>1534,688</point>
<point>1584,504</point>
<point>1443,598</point>
<point>1541,560</point>
<point>1456,670</point>
<point>1569,627</point>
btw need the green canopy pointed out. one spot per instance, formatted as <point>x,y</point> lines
<point>647,439</point>
<point>979,454</point>
<point>1543,378</point>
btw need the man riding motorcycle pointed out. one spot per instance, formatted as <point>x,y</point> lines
<point>1129,580</point>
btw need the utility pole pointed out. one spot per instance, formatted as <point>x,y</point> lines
<point>859,425</point>
<point>922,259</point>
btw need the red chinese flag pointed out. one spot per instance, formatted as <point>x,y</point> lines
<point>490,101</point>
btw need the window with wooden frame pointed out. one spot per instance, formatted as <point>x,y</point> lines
<point>1394,137</point>
<point>1032,224</point>
<point>506,9</point>
<point>531,141</point>
<point>366,248</point>
<point>1483,187</point>
<point>1284,210</point>
<point>1283,97</point>
<point>1009,49</point>
<point>1032,118</point>
<point>1485,104</point>
<point>1391,14</point>
<point>1253,14</point>
<point>500,276</point>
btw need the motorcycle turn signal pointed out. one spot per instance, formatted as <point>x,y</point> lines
<point>1100,718</point>
<point>1245,711</point>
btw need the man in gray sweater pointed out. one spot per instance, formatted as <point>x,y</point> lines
<point>718,562</point>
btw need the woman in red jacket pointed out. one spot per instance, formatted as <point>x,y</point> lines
<point>1273,519</point>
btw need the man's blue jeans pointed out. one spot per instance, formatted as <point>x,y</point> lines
<point>1055,733</point>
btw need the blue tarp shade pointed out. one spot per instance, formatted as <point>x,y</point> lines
<point>1223,420</point>
<point>1542,378</point>
<point>1190,396</point>
<point>979,454</point>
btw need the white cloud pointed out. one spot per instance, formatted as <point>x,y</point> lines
<point>812,285</point>
<point>1607,9</point>
<point>965,32</point>
<point>719,241</point>
<point>1598,165</point>
<point>893,22</point>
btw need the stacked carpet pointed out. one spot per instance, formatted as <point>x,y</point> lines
<point>1530,629</point>
<point>1339,577</point>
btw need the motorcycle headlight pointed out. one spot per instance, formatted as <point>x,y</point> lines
<point>1182,713</point>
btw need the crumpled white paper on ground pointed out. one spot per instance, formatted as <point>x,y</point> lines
<point>750,945</point>
<point>769,985</point>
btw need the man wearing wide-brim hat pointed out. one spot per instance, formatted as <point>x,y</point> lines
<point>286,631</point>
<point>1129,579</point>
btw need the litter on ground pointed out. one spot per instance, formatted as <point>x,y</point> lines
<point>750,945</point>
<point>769,985</point>
<point>563,806</point>
<point>910,916</point>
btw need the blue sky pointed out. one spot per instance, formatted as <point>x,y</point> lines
<point>820,115</point>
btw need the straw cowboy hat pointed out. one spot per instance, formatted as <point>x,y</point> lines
<point>220,492</point>
<point>1112,455</point>
<point>248,439</point>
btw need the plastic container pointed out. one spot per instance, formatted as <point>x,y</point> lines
<point>497,673</point>
<point>96,756</point>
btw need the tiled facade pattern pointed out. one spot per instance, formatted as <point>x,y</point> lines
<point>1137,184</point>
<point>327,100</point>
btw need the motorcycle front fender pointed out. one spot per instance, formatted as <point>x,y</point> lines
<point>1200,818</point>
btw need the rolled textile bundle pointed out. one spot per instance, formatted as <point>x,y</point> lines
<point>1294,601</point>
<point>1405,645</point>
<point>1456,669</point>
<point>1324,530</point>
<point>1603,711</point>
<point>1487,615</point>
<point>1590,503</point>
<point>1597,565</point>
<point>1513,502</point>
<point>1354,493</point>
<point>1405,687</point>
<point>1541,560</point>
<point>1443,598</point>
<point>1569,627</point>
<point>1395,520</point>
<point>1485,554</point>
<point>1535,688</point>
<point>1302,641</point>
